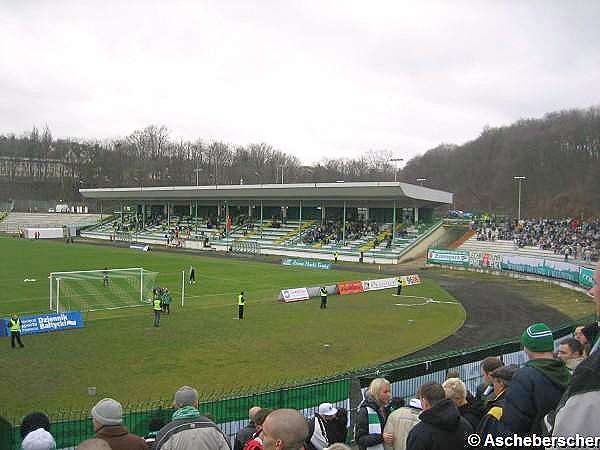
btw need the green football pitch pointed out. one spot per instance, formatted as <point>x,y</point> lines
<point>200,344</point>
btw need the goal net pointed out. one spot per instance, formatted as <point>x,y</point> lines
<point>94,290</point>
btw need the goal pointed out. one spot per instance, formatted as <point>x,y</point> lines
<point>103,289</point>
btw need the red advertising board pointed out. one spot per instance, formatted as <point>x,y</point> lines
<point>350,287</point>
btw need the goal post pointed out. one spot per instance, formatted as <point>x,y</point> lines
<point>101,289</point>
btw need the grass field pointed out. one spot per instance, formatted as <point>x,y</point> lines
<point>124,356</point>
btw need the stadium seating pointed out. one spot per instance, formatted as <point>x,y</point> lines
<point>16,221</point>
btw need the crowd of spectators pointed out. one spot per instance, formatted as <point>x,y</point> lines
<point>332,232</point>
<point>570,238</point>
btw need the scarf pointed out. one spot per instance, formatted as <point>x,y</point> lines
<point>187,412</point>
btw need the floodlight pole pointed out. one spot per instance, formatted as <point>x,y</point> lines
<point>396,167</point>
<point>519,179</point>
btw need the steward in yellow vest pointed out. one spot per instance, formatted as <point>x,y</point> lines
<point>241,304</point>
<point>15,330</point>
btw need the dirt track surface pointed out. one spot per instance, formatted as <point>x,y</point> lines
<point>495,310</point>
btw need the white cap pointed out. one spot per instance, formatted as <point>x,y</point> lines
<point>415,403</point>
<point>38,439</point>
<point>327,409</point>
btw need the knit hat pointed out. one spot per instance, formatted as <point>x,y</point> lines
<point>39,439</point>
<point>33,421</point>
<point>186,396</point>
<point>538,338</point>
<point>108,412</point>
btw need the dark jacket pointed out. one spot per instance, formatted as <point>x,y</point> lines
<point>244,435</point>
<point>119,438</point>
<point>471,414</point>
<point>336,429</point>
<point>534,391</point>
<point>441,428</point>
<point>361,429</point>
<point>489,424</point>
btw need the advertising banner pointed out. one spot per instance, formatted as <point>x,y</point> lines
<point>562,270</point>
<point>315,291</point>
<point>350,287</point>
<point>308,263</point>
<point>293,295</point>
<point>485,260</point>
<point>410,280</point>
<point>586,277</point>
<point>387,283</point>
<point>48,322</point>
<point>523,264</point>
<point>451,257</point>
<point>375,285</point>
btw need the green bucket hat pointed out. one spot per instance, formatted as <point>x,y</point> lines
<point>538,338</point>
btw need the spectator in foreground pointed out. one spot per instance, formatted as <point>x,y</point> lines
<point>38,439</point>
<point>94,444</point>
<point>255,442</point>
<point>107,417</point>
<point>327,427</point>
<point>485,390</point>
<point>441,426</point>
<point>156,423</point>
<point>246,433</point>
<point>188,428</point>
<point>400,422</point>
<point>579,409</point>
<point>34,421</point>
<point>537,387</point>
<point>570,351</point>
<point>457,392</point>
<point>284,429</point>
<point>501,378</point>
<point>372,416</point>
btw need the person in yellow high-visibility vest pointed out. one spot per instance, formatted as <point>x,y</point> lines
<point>241,304</point>
<point>157,307</point>
<point>400,281</point>
<point>15,330</point>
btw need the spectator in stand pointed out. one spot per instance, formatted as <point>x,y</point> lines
<point>38,439</point>
<point>156,423</point>
<point>93,444</point>
<point>501,378</point>
<point>188,428</point>
<point>577,334</point>
<point>441,426</point>
<point>372,415</point>
<point>328,426</point>
<point>537,387</point>
<point>570,351</point>
<point>457,392</point>
<point>284,429</point>
<point>246,433</point>
<point>485,390</point>
<point>34,421</point>
<point>256,442</point>
<point>591,335</point>
<point>400,422</point>
<point>579,409</point>
<point>107,417</point>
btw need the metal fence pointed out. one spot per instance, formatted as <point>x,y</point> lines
<point>230,410</point>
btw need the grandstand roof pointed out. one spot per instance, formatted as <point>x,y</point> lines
<point>369,193</point>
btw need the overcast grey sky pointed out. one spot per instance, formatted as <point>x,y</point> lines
<point>313,78</point>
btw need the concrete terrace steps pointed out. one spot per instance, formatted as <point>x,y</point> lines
<point>16,220</point>
<point>472,244</point>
